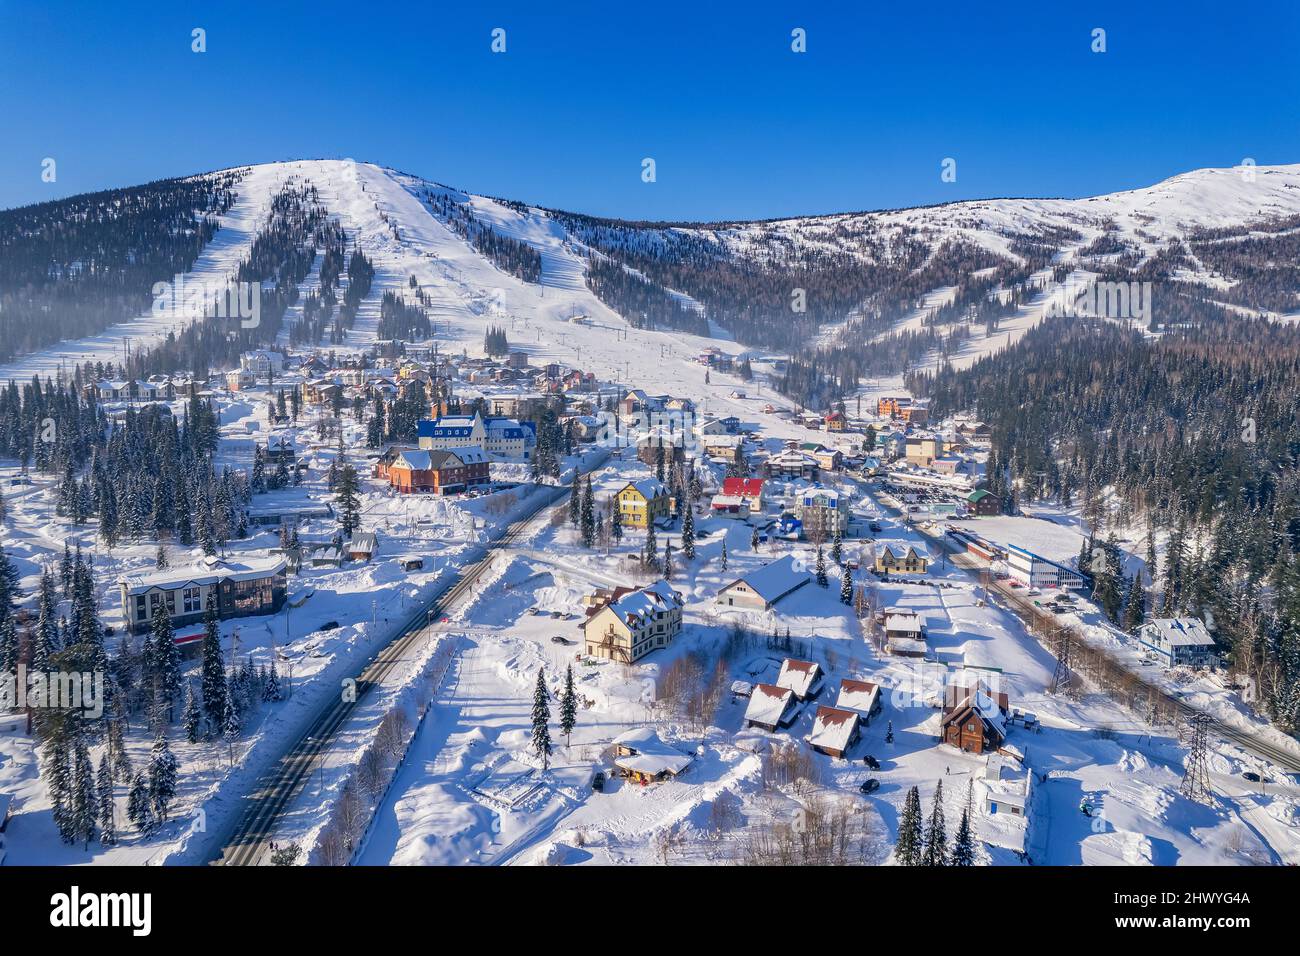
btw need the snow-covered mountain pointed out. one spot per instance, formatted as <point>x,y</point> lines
<point>478,261</point>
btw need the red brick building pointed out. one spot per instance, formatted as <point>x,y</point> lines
<point>435,472</point>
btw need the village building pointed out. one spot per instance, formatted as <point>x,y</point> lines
<point>753,490</point>
<point>901,557</point>
<point>1179,641</point>
<point>834,731</point>
<point>791,464</point>
<point>923,449</point>
<point>235,588</point>
<point>973,722</point>
<point>823,512</point>
<point>983,503</point>
<point>263,363</point>
<point>770,708</point>
<point>803,678</point>
<point>1033,571</point>
<point>435,472</point>
<point>891,406</point>
<point>643,758</point>
<point>760,590</point>
<point>643,502</point>
<point>362,545</point>
<point>501,437</point>
<point>860,696</point>
<point>632,623</point>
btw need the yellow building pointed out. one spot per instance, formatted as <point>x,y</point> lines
<point>632,623</point>
<point>642,502</point>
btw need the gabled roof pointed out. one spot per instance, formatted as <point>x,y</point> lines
<point>801,677</point>
<point>858,695</point>
<point>773,581</point>
<point>633,607</point>
<point>900,549</point>
<point>648,488</point>
<point>768,704</point>
<point>833,728</point>
<point>1179,631</point>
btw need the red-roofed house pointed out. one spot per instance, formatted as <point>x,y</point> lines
<point>834,731</point>
<point>770,707</point>
<point>804,678</point>
<point>751,489</point>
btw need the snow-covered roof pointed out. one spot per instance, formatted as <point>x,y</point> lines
<point>749,487</point>
<point>899,548</point>
<point>1179,632</point>
<point>909,623</point>
<point>774,580</point>
<point>799,676</point>
<point>645,603</point>
<point>858,695</point>
<point>204,571</point>
<point>648,488</point>
<point>648,754</point>
<point>768,704</point>
<point>833,728</point>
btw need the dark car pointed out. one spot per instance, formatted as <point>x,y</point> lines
<point>1250,775</point>
<point>871,762</point>
<point>874,527</point>
<point>870,785</point>
<point>329,625</point>
<point>598,781</point>
<point>557,639</point>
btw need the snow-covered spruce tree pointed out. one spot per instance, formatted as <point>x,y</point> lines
<point>936,835</point>
<point>166,660</point>
<point>575,502</point>
<point>568,706</point>
<point>107,825</point>
<point>231,720</point>
<point>846,586</point>
<point>85,798</point>
<point>541,719</point>
<point>668,561</point>
<point>822,579</point>
<point>45,639</point>
<point>214,669</point>
<point>688,533</point>
<point>615,522</point>
<point>907,851</point>
<point>139,809</point>
<point>162,776</point>
<point>837,547</point>
<point>271,690</point>
<point>963,847</point>
<point>349,504</point>
<point>724,554</point>
<point>1135,607</point>
<point>650,554</point>
<point>587,520</point>
<point>191,715</point>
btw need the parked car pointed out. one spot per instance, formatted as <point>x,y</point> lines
<point>870,785</point>
<point>557,639</point>
<point>329,625</point>
<point>871,762</point>
<point>598,781</point>
<point>1250,775</point>
<point>874,527</point>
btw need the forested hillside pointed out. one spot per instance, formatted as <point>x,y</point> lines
<point>73,267</point>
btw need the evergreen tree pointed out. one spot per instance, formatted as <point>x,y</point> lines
<point>213,680</point>
<point>85,798</point>
<point>668,561</point>
<point>162,776</point>
<point>192,716</point>
<point>822,579</point>
<point>963,848</point>
<point>908,849</point>
<point>139,809</point>
<point>166,661</point>
<point>1135,606</point>
<point>541,718</point>
<point>271,690</point>
<point>348,501</point>
<point>846,586</point>
<point>837,547</point>
<point>568,706</point>
<point>724,554</point>
<point>936,837</point>
<point>688,533</point>
<point>616,522</point>
<point>587,519</point>
<point>107,825</point>
<point>575,503</point>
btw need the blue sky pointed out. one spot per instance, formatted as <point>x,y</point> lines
<point>739,125</point>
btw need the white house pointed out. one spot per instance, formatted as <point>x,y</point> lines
<point>1034,571</point>
<point>804,678</point>
<point>761,589</point>
<point>860,696</point>
<point>1178,641</point>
